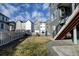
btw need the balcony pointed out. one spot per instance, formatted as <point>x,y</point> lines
<point>72,21</point>
<point>64,5</point>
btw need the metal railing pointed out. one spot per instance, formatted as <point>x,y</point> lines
<point>8,36</point>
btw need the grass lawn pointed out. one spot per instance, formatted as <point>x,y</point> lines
<point>31,46</point>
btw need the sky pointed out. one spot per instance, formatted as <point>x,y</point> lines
<point>25,11</point>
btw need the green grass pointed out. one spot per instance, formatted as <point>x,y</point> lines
<point>33,46</point>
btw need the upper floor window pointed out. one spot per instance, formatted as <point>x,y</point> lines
<point>4,18</point>
<point>2,26</point>
<point>0,17</point>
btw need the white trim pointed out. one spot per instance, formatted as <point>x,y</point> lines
<point>75,35</point>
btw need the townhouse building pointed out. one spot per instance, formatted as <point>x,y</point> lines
<point>4,26</point>
<point>40,27</point>
<point>25,26</point>
<point>68,21</point>
<point>54,19</point>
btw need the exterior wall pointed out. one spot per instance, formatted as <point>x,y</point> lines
<point>23,26</point>
<point>42,28</point>
<point>65,11</point>
<point>37,27</point>
<point>48,27</point>
<point>28,25</point>
<point>55,12</point>
<point>54,18</point>
<point>12,26</point>
<point>3,23</point>
<point>18,25</point>
<point>6,27</point>
<point>37,31</point>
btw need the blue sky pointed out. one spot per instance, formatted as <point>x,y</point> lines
<point>24,11</point>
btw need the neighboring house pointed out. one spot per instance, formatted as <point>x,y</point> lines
<point>4,23</point>
<point>18,25</point>
<point>48,27</point>
<point>51,26</point>
<point>54,19</point>
<point>37,26</point>
<point>42,28</point>
<point>12,25</point>
<point>25,26</point>
<point>29,26</point>
<point>69,21</point>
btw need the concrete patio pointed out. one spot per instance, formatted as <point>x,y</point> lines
<point>63,48</point>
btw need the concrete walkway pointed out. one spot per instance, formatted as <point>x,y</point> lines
<point>63,48</point>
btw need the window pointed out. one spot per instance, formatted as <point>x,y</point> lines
<point>6,19</point>
<point>3,18</point>
<point>2,26</point>
<point>0,17</point>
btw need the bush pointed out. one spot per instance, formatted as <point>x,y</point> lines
<point>37,34</point>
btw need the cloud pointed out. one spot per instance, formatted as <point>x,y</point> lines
<point>23,12</point>
<point>7,9</point>
<point>19,17</point>
<point>43,19</point>
<point>34,14</point>
<point>4,11</point>
<point>27,15</point>
<point>37,6</point>
<point>27,5</point>
<point>48,14</point>
<point>45,6</point>
<point>37,14</point>
<point>23,16</point>
<point>22,7</point>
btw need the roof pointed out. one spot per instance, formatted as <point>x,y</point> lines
<point>3,15</point>
<point>12,22</point>
<point>25,21</point>
<point>42,22</point>
<point>30,21</point>
<point>19,20</point>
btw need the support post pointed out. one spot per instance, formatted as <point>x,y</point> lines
<point>75,35</point>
